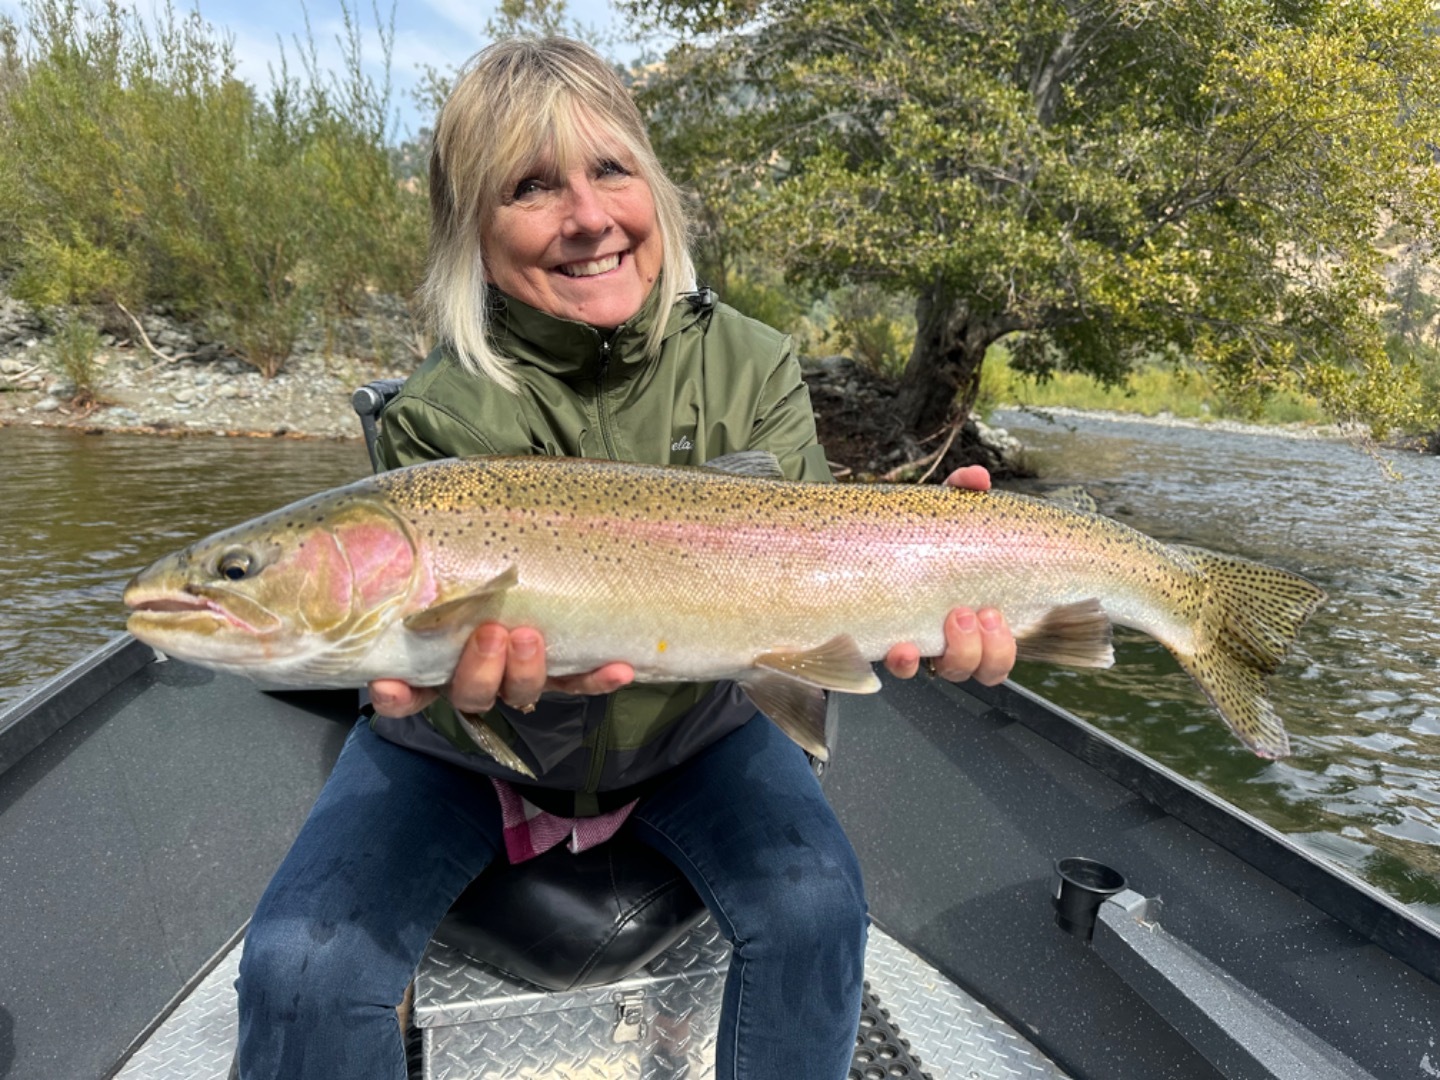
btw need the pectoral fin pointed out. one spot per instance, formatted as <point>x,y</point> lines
<point>463,613</point>
<point>489,741</point>
<point>797,708</point>
<point>1077,635</point>
<point>836,665</point>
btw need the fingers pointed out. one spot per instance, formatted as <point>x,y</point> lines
<point>510,666</point>
<point>603,680</point>
<point>973,477</point>
<point>903,661</point>
<point>978,645</point>
<point>497,663</point>
<point>392,697</point>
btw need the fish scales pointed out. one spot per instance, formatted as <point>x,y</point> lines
<point>688,559</point>
<point>694,574</point>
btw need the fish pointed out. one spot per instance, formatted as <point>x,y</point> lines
<point>697,573</point>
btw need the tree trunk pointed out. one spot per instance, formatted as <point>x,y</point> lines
<point>942,378</point>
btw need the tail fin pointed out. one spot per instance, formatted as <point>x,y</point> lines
<point>1249,619</point>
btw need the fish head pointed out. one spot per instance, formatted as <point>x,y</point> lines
<point>293,598</point>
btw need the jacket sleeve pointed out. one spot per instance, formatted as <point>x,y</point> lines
<point>414,429</point>
<point>785,421</point>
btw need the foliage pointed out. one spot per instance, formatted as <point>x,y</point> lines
<point>138,169</point>
<point>74,346</point>
<point>872,327</point>
<point>1151,388</point>
<point>1106,180</point>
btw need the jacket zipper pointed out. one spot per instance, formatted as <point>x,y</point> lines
<point>600,409</point>
<point>598,752</point>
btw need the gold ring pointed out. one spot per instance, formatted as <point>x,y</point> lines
<point>527,709</point>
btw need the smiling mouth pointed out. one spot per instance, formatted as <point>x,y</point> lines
<point>592,267</point>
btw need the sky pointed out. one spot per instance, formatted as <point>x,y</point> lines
<point>438,33</point>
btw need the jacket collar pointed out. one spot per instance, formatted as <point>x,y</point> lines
<point>570,350</point>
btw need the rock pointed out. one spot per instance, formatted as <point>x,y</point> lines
<point>120,416</point>
<point>184,396</point>
<point>11,367</point>
<point>45,405</point>
<point>1005,445</point>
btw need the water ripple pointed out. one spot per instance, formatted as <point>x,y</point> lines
<point>1360,695</point>
<point>99,508</point>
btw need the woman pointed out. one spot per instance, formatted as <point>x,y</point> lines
<point>564,297</point>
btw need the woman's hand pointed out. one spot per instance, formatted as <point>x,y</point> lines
<point>978,644</point>
<point>508,665</point>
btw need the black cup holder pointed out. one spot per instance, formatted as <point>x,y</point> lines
<point>1081,886</point>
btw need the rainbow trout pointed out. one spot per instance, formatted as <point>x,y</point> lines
<point>693,574</point>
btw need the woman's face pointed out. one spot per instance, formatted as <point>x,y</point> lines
<point>582,245</point>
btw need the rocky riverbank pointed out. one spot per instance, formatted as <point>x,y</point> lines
<point>166,377</point>
<point>175,380</point>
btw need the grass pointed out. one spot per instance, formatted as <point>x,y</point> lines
<point>1152,390</point>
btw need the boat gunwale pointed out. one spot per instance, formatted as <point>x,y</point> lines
<point>56,701</point>
<point>1334,890</point>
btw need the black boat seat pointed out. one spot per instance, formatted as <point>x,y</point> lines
<point>563,921</point>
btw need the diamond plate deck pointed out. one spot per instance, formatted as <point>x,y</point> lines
<point>197,1040</point>
<point>954,1035</point>
<point>476,1023</point>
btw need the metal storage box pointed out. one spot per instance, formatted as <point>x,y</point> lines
<point>659,1024</point>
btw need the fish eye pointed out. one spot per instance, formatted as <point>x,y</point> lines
<point>234,565</point>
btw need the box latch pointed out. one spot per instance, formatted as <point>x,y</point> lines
<point>629,1016</point>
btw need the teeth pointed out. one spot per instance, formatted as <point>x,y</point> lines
<point>590,269</point>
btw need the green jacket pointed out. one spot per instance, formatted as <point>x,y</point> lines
<point>722,383</point>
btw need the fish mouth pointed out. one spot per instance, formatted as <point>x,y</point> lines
<point>198,608</point>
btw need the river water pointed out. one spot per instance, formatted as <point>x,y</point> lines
<point>84,512</point>
<point>1360,696</point>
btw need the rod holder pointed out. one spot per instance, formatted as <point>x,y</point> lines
<point>1081,886</point>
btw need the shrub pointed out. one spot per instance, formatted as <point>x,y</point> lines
<point>73,350</point>
<point>138,168</point>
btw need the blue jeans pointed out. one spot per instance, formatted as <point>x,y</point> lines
<point>395,836</point>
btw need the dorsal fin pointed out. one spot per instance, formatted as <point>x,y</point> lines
<point>1073,497</point>
<point>747,463</point>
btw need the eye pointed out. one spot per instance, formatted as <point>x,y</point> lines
<point>531,185</point>
<point>611,167</point>
<point>235,565</point>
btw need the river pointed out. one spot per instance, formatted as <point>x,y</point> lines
<point>1361,693</point>
<point>1360,696</point>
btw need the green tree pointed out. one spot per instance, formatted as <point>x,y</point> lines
<point>1095,180</point>
<point>136,168</point>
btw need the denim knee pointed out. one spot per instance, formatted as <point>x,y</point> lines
<point>818,908</point>
<point>291,970</point>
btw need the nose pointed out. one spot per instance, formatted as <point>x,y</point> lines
<point>586,212</point>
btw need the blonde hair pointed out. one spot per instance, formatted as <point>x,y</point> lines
<point>515,104</point>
